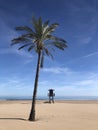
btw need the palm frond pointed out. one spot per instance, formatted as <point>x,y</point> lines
<point>28,35</point>
<point>52,27</point>
<point>54,38</point>
<point>47,52</point>
<point>20,40</point>
<point>40,23</point>
<point>24,46</point>
<point>46,24</point>
<point>31,47</point>
<point>59,45</point>
<point>25,28</point>
<point>38,26</point>
<point>34,21</point>
<point>47,30</point>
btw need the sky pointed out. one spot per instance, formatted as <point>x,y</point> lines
<point>73,72</point>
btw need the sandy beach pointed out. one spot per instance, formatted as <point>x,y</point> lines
<point>62,115</point>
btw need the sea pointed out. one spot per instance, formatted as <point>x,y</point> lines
<point>46,98</point>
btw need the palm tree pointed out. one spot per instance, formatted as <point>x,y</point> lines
<point>40,39</point>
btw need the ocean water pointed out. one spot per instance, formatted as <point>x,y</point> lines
<point>46,98</point>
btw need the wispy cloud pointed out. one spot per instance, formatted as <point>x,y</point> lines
<point>45,82</point>
<point>84,39</point>
<point>91,54</point>
<point>84,57</point>
<point>56,70</point>
<point>11,50</point>
<point>12,86</point>
<point>86,83</point>
<point>76,83</point>
<point>83,86</point>
<point>24,53</point>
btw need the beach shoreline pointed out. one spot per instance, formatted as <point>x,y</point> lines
<point>47,101</point>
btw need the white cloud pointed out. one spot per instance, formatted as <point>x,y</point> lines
<point>76,83</point>
<point>73,84</point>
<point>15,86</point>
<point>23,53</point>
<point>91,54</point>
<point>83,57</point>
<point>87,79</point>
<point>57,70</point>
<point>15,51</point>
<point>45,82</point>
<point>85,40</point>
<point>86,83</point>
<point>79,88</point>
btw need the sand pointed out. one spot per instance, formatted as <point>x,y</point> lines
<point>62,115</point>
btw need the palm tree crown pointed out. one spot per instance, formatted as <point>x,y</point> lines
<point>39,38</point>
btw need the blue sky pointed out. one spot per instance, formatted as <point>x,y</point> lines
<point>72,72</point>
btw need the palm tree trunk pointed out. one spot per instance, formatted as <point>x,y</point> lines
<point>32,113</point>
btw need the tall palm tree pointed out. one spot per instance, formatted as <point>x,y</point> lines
<point>40,39</point>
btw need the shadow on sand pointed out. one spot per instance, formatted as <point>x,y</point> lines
<point>14,119</point>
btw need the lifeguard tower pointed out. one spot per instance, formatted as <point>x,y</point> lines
<point>51,95</point>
